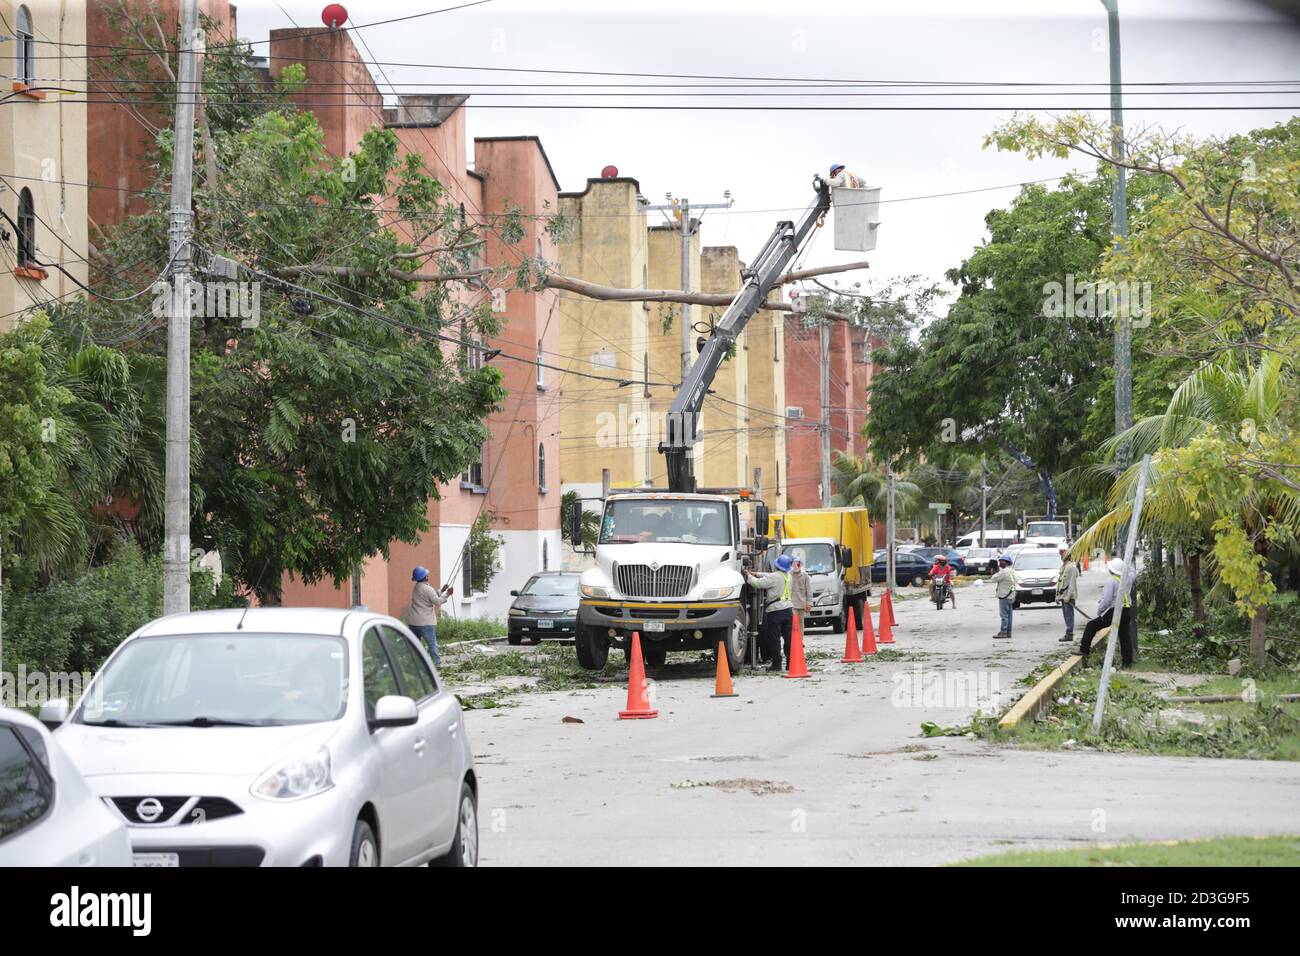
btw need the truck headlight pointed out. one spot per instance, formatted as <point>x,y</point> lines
<point>827,598</point>
<point>717,594</point>
<point>302,776</point>
<point>591,591</point>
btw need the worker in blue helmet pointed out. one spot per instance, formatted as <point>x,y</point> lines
<point>422,618</point>
<point>778,610</point>
<point>840,176</point>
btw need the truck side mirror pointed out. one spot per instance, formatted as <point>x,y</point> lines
<point>846,556</point>
<point>575,526</point>
<point>761,518</point>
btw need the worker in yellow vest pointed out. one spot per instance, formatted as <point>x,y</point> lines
<point>778,610</point>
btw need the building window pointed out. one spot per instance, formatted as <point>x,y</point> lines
<point>26,229</point>
<point>467,570</point>
<point>25,65</point>
<point>541,467</point>
<point>472,477</point>
<point>546,556</point>
<point>541,372</point>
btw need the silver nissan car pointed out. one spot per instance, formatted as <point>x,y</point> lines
<point>277,737</point>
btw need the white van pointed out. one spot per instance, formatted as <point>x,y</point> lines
<point>994,539</point>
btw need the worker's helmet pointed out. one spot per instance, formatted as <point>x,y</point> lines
<point>420,573</point>
<point>1116,567</point>
<point>836,167</point>
<point>1004,559</point>
<point>783,563</point>
<point>941,558</point>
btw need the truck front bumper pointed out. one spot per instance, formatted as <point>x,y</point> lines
<point>656,620</point>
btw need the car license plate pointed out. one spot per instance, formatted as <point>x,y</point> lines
<point>545,625</point>
<point>655,626</point>
<point>1038,591</point>
<point>155,859</point>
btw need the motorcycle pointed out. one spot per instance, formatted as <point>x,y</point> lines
<point>941,592</point>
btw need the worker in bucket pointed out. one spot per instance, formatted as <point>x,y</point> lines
<point>842,177</point>
<point>1004,583</point>
<point>778,609</point>
<point>1110,596</point>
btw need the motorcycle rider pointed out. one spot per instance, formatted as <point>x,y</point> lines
<point>942,571</point>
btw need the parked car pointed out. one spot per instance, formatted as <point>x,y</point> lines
<point>48,815</point>
<point>277,737</point>
<point>952,554</point>
<point>547,606</point>
<point>909,568</point>
<point>981,560</point>
<point>1036,571</point>
<point>993,538</point>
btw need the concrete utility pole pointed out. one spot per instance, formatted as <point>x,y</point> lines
<point>682,210</point>
<point>984,500</point>
<point>889,527</point>
<point>176,548</point>
<point>826,411</point>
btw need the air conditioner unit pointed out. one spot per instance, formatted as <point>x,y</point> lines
<point>794,411</point>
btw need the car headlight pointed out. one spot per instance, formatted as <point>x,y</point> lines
<point>572,612</point>
<point>717,594</point>
<point>591,591</point>
<point>516,612</point>
<point>293,779</point>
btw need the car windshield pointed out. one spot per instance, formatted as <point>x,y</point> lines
<point>1037,561</point>
<point>1045,529</point>
<point>552,585</point>
<point>679,521</point>
<point>816,558</point>
<point>205,680</point>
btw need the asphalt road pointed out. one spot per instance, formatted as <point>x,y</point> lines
<point>834,770</point>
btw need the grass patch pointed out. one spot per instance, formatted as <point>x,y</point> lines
<point>1262,729</point>
<point>455,630</point>
<point>1223,851</point>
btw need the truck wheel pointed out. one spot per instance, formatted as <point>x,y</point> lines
<point>655,656</point>
<point>737,642</point>
<point>592,648</point>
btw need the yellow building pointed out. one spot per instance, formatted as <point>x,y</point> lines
<point>43,142</point>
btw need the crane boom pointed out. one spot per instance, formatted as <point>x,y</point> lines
<point>682,426</point>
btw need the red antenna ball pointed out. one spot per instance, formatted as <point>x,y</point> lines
<point>609,172</point>
<point>334,16</point>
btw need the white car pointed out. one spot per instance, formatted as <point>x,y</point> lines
<point>277,737</point>
<point>48,816</point>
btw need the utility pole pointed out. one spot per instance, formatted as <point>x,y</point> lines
<point>826,411</point>
<point>984,499</point>
<point>681,208</point>
<point>176,552</point>
<point>889,527</point>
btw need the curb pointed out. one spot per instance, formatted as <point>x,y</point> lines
<point>1035,700</point>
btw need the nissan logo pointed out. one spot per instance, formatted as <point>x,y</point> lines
<point>149,809</point>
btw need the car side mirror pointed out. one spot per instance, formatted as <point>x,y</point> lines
<point>54,713</point>
<point>394,711</point>
<point>514,594</point>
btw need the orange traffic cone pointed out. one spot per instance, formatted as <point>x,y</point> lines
<point>1085,560</point>
<point>722,683</point>
<point>868,633</point>
<point>798,666</point>
<point>638,697</point>
<point>887,620</point>
<point>851,653</point>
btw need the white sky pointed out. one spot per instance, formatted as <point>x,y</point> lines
<point>767,158</point>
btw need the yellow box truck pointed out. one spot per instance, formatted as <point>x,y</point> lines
<point>836,548</point>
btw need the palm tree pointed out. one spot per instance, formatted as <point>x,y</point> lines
<point>1233,402</point>
<point>590,521</point>
<point>858,481</point>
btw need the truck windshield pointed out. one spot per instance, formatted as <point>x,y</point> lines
<point>666,521</point>
<point>816,558</point>
<point>1045,529</point>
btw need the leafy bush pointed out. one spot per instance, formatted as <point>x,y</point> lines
<point>74,623</point>
<point>454,629</point>
<point>1165,596</point>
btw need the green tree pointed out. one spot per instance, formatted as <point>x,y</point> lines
<point>590,521</point>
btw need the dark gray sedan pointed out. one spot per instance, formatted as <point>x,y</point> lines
<point>547,606</point>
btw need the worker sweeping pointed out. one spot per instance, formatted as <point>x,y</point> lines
<point>778,609</point>
<point>1110,596</point>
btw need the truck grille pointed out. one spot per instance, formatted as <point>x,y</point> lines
<point>640,580</point>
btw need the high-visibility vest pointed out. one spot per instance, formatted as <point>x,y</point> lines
<point>1127,602</point>
<point>785,592</point>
